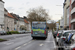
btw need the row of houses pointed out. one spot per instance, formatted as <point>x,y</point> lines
<point>68,20</point>
<point>11,21</point>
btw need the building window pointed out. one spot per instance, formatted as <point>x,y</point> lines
<point>73,5</point>
<point>73,16</point>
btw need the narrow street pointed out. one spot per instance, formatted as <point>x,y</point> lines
<point>25,42</point>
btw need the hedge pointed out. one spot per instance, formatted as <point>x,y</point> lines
<point>13,32</point>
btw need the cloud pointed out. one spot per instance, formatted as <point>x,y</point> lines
<point>21,8</point>
<point>10,8</point>
<point>27,2</point>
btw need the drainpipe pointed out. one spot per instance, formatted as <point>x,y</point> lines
<point>70,17</point>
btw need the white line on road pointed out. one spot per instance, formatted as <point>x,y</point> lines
<point>30,42</point>
<point>41,44</point>
<point>17,48</point>
<point>23,45</point>
<point>49,41</point>
<point>54,42</point>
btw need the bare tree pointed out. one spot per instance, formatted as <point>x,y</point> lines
<point>51,25</point>
<point>22,27</point>
<point>37,14</point>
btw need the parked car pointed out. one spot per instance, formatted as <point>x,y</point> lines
<point>67,44</point>
<point>65,33</point>
<point>66,40</point>
<point>58,36</point>
<point>22,31</point>
<point>72,45</point>
<point>28,31</point>
<point>55,34</point>
<point>3,32</point>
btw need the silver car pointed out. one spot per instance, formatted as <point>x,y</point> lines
<point>65,33</point>
<point>3,32</point>
<point>63,42</point>
<point>58,36</point>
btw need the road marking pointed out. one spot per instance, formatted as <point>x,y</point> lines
<point>30,42</point>
<point>49,41</point>
<point>25,44</point>
<point>17,48</point>
<point>9,43</point>
<point>54,42</point>
<point>41,44</point>
<point>54,45</point>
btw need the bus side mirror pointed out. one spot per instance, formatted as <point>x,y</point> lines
<point>47,27</point>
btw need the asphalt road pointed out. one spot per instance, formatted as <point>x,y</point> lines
<point>13,36</point>
<point>25,42</point>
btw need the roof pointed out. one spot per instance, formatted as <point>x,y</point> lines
<point>26,21</point>
<point>5,10</point>
<point>10,15</point>
<point>14,16</point>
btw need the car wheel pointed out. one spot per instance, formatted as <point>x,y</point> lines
<point>60,48</point>
<point>54,37</point>
<point>57,43</point>
<point>33,37</point>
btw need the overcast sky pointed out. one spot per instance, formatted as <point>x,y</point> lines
<point>54,7</point>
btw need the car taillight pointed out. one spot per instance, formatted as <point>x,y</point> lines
<point>63,38</point>
<point>45,31</point>
<point>73,49</point>
<point>32,32</point>
<point>58,34</point>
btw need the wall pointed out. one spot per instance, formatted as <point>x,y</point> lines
<point>67,3</point>
<point>9,22</point>
<point>1,16</point>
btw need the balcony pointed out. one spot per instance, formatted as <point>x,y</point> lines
<point>72,1</point>
<point>73,20</point>
<point>73,10</point>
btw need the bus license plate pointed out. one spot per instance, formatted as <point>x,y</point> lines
<point>35,33</point>
<point>40,31</point>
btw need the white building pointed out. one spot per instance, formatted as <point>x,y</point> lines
<point>65,14</point>
<point>1,15</point>
<point>61,23</point>
<point>57,25</point>
<point>29,26</point>
<point>21,23</point>
<point>68,17</point>
<point>72,17</point>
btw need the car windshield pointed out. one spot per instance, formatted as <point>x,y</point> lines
<point>66,33</point>
<point>72,31</point>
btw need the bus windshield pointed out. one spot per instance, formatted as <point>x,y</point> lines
<point>38,26</point>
